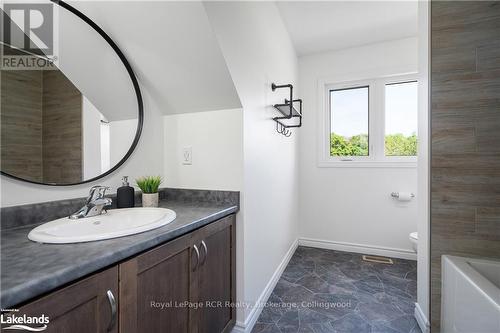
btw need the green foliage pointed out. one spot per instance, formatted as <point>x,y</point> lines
<point>357,145</point>
<point>354,146</point>
<point>400,145</point>
<point>149,184</point>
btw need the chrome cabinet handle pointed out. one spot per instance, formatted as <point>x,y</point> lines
<point>112,304</point>
<point>206,251</point>
<point>197,257</point>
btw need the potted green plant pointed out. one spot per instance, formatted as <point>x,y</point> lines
<point>149,186</point>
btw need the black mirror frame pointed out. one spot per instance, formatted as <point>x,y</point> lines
<point>137,92</point>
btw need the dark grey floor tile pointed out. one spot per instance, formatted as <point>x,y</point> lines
<point>307,316</point>
<point>334,305</point>
<point>394,281</point>
<point>411,275</point>
<point>265,328</point>
<point>345,301</point>
<point>305,328</point>
<point>289,322</point>
<point>407,306</point>
<point>351,323</point>
<point>342,288</point>
<point>404,323</point>
<point>283,286</point>
<point>411,289</point>
<point>395,292</point>
<point>416,329</point>
<point>332,274</point>
<point>356,270</point>
<point>308,297</point>
<point>297,295</point>
<point>367,297</point>
<point>292,273</point>
<point>272,313</point>
<point>314,283</point>
<point>381,328</point>
<point>322,327</point>
<point>379,311</point>
<point>399,269</point>
<point>370,284</point>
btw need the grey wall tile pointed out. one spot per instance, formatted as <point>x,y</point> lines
<point>465,129</point>
<point>488,57</point>
<point>454,59</point>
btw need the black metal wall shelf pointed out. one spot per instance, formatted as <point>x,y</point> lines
<point>288,111</point>
<point>285,109</point>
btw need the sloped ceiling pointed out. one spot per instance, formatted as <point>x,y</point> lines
<point>319,26</point>
<point>173,51</point>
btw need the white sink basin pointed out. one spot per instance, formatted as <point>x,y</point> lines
<point>115,223</point>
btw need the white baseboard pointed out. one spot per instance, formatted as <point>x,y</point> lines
<point>249,323</point>
<point>359,248</point>
<point>238,328</point>
<point>421,319</point>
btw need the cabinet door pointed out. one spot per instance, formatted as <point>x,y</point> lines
<point>81,307</point>
<point>216,276</point>
<point>154,287</point>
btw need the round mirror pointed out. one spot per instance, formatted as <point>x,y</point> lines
<point>71,108</point>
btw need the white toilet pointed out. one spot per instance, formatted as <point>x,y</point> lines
<point>414,240</point>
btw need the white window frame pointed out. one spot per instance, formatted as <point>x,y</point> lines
<point>376,125</point>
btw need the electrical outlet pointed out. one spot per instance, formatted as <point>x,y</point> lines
<point>187,155</point>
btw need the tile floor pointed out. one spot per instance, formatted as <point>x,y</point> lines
<point>330,291</point>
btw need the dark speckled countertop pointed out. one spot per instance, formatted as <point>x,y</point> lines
<point>30,269</point>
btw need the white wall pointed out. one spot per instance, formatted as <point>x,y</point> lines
<point>258,51</point>
<point>423,263</point>
<point>91,136</point>
<point>353,206</point>
<point>216,141</point>
<point>121,136</point>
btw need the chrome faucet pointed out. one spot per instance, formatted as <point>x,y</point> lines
<point>95,205</point>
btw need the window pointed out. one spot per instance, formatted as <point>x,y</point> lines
<point>370,123</point>
<point>401,119</point>
<point>349,122</point>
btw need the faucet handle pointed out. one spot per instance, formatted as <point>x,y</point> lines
<point>97,192</point>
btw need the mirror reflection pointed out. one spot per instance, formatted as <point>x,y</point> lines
<point>71,122</point>
<point>52,133</point>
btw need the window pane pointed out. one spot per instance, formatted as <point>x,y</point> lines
<point>349,122</point>
<point>401,119</point>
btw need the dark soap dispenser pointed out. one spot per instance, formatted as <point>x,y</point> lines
<point>125,195</point>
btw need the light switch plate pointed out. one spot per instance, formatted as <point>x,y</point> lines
<point>187,155</point>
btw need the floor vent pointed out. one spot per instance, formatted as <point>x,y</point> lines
<point>379,260</point>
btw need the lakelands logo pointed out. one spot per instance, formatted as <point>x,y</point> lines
<point>28,35</point>
<point>24,322</point>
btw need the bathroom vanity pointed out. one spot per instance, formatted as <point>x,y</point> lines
<point>176,278</point>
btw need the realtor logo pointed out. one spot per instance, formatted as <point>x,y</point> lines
<point>28,27</point>
<point>27,35</point>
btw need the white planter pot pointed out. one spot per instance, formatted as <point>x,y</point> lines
<point>150,200</point>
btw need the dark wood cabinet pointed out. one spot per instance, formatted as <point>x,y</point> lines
<point>186,285</point>
<point>154,287</point>
<point>216,276</point>
<point>86,306</point>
